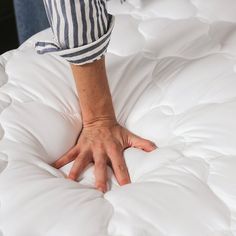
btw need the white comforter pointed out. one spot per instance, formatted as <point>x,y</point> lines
<point>171,67</point>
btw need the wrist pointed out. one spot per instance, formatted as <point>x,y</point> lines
<point>100,121</point>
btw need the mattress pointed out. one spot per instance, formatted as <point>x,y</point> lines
<point>171,68</point>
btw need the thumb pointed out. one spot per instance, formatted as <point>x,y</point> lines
<point>142,143</point>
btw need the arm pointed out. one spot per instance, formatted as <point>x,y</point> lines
<point>102,140</point>
<point>94,93</point>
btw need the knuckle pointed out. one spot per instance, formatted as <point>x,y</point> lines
<point>70,153</point>
<point>100,164</point>
<point>118,162</point>
<point>73,150</point>
<point>113,146</point>
<point>99,154</point>
<point>122,167</point>
<point>113,149</point>
<point>81,158</point>
<point>99,146</point>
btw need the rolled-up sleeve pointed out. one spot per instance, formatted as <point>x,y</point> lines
<point>81,30</point>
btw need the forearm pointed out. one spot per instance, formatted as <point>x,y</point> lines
<point>82,37</point>
<point>94,93</point>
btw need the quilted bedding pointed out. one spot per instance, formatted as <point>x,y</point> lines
<point>171,67</point>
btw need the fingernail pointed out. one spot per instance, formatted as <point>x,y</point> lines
<point>155,146</point>
<point>124,182</point>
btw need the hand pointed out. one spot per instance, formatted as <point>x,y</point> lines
<point>103,144</point>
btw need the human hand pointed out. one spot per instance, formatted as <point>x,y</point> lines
<point>103,143</point>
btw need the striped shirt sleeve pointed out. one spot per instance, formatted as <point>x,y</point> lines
<point>81,30</point>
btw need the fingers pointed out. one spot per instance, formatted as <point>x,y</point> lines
<point>66,158</point>
<point>100,171</point>
<point>81,161</point>
<point>119,166</point>
<point>142,143</point>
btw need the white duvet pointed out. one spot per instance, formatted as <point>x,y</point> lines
<point>171,66</point>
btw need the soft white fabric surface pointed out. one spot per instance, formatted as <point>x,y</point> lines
<point>171,67</point>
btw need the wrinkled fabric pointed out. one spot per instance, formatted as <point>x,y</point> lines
<point>173,81</point>
<point>81,30</point>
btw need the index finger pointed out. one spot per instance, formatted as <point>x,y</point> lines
<point>66,158</point>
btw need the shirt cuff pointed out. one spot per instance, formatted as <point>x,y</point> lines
<point>82,54</point>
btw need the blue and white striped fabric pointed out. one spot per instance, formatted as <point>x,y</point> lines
<point>81,29</point>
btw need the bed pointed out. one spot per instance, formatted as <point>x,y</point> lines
<point>173,81</point>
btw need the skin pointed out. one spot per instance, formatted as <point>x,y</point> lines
<point>102,139</point>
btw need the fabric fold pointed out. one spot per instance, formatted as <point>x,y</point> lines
<point>81,30</point>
